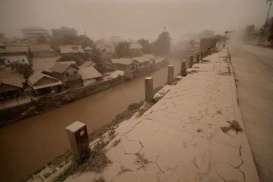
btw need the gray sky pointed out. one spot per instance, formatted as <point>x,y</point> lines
<point>131,18</point>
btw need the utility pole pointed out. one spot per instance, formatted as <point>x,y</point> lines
<point>269,10</point>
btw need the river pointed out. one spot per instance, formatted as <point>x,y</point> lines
<point>29,144</point>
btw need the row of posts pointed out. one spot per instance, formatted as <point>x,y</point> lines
<point>149,89</point>
<point>77,131</point>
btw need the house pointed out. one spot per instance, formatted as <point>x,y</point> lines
<point>11,84</point>
<point>42,84</point>
<point>71,49</point>
<point>105,47</point>
<point>16,59</point>
<point>14,51</point>
<point>67,72</point>
<point>135,49</point>
<point>89,74</point>
<point>42,50</point>
<point>35,33</point>
<point>88,50</point>
<point>128,65</point>
<point>40,64</point>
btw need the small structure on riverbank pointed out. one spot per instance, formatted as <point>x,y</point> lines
<point>89,74</point>
<point>11,84</point>
<point>43,84</point>
<point>67,72</point>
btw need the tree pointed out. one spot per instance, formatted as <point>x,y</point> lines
<point>23,69</point>
<point>85,41</point>
<point>122,49</point>
<point>145,45</point>
<point>162,45</point>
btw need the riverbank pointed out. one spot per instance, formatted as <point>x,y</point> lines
<point>194,133</point>
<point>37,105</point>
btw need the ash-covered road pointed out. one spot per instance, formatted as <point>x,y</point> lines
<point>254,71</point>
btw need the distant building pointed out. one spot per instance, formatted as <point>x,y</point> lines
<point>135,49</point>
<point>71,49</point>
<point>67,72</point>
<point>64,33</point>
<point>18,59</point>
<point>11,84</point>
<point>35,33</point>
<point>42,50</point>
<point>128,65</point>
<point>14,50</point>
<point>89,74</point>
<point>105,46</point>
<point>43,84</point>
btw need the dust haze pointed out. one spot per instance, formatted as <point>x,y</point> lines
<point>131,19</point>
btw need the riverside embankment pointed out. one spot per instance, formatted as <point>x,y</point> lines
<point>30,143</point>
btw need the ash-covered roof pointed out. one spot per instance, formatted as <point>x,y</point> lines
<point>135,45</point>
<point>61,67</point>
<point>89,72</point>
<point>14,49</point>
<point>41,48</point>
<point>124,61</point>
<point>71,49</point>
<point>12,78</point>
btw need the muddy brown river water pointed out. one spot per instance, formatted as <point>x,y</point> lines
<point>29,144</point>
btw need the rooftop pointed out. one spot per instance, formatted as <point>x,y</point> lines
<point>89,72</point>
<point>71,49</point>
<point>60,67</point>
<point>12,78</point>
<point>125,61</point>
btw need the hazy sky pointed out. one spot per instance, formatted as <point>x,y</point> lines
<point>131,18</point>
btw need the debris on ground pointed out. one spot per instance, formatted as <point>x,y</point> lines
<point>141,160</point>
<point>233,126</point>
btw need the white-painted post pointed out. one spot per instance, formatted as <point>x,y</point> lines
<point>78,139</point>
<point>170,74</point>
<point>149,89</point>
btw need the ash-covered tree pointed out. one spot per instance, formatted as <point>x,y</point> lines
<point>85,41</point>
<point>146,46</point>
<point>162,46</point>
<point>122,49</point>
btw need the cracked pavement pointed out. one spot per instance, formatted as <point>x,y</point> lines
<point>180,137</point>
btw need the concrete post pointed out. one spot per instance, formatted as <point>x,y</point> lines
<point>183,69</point>
<point>149,89</point>
<point>191,61</point>
<point>78,139</point>
<point>197,58</point>
<point>170,74</point>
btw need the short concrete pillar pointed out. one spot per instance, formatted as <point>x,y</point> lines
<point>197,58</point>
<point>183,71</point>
<point>149,89</point>
<point>170,74</point>
<point>78,139</point>
<point>191,61</point>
